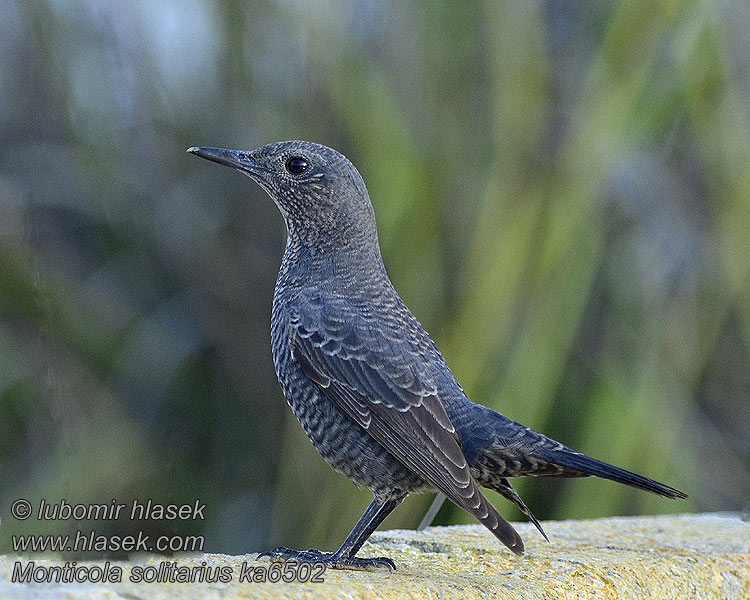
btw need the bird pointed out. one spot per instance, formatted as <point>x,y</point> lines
<point>363,377</point>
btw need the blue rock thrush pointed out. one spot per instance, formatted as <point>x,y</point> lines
<point>364,379</point>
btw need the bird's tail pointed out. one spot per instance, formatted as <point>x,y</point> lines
<point>501,447</point>
<point>575,461</point>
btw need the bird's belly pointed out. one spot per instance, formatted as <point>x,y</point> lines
<point>346,446</point>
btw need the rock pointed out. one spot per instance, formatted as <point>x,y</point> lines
<point>686,556</point>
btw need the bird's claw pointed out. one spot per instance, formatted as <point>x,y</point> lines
<point>329,559</point>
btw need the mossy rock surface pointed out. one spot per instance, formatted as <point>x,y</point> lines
<point>686,556</point>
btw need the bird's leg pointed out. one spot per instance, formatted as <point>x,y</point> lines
<point>344,557</point>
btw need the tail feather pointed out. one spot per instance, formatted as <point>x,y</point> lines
<point>591,466</point>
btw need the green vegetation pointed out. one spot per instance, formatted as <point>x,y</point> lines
<point>563,199</point>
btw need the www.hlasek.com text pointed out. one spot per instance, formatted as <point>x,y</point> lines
<point>91,541</point>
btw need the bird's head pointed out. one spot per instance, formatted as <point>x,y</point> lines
<point>318,191</point>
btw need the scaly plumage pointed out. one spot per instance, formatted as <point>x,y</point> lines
<point>362,376</point>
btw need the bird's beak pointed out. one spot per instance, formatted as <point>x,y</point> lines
<point>231,158</point>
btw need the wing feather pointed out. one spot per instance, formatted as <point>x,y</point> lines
<point>382,384</point>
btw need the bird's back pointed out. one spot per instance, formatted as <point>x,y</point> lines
<point>361,374</point>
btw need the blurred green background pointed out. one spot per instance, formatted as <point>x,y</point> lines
<point>563,199</point>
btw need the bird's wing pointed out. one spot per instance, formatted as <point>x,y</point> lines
<point>506,489</point>
<point>380,381</point>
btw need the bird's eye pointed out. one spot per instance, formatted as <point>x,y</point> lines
<point>296,165</point>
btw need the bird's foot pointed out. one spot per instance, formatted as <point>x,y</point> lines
<point>329,559</point>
